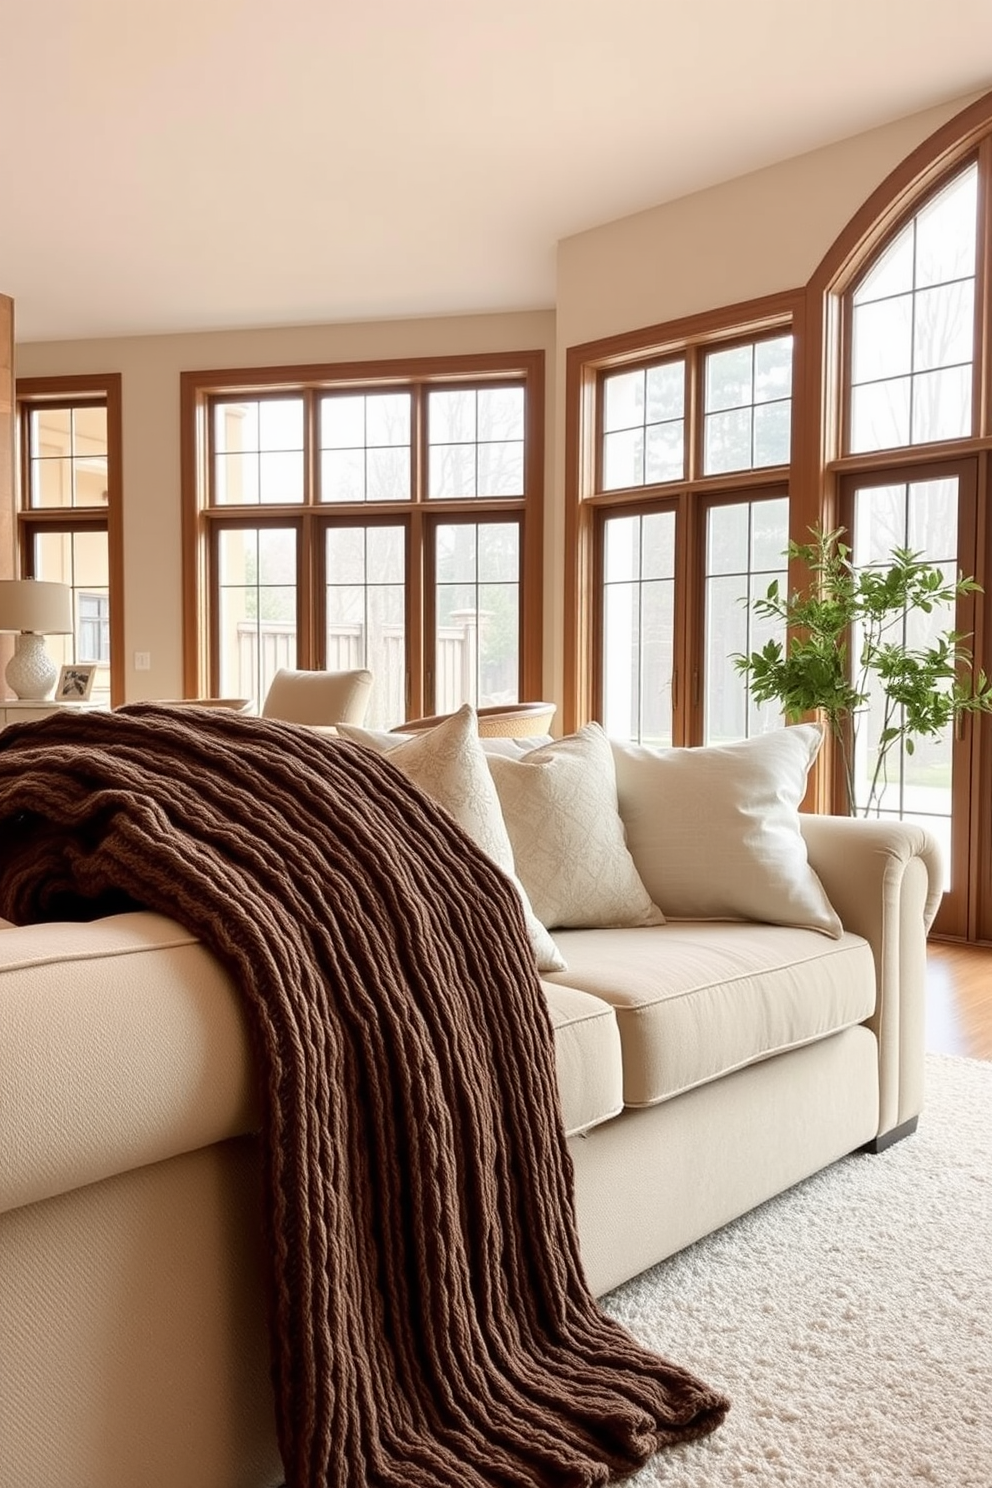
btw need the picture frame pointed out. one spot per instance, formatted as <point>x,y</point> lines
<point>75,682</point>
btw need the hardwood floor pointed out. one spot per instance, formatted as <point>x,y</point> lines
<point>959,1000</point>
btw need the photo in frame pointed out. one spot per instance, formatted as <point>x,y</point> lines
<point>75,682</point>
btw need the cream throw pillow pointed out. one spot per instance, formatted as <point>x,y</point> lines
<point>560,807</point>
<point>714,831</point>
<point>448,764</point>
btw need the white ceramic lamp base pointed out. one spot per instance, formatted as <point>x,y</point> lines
<point>31,673</point>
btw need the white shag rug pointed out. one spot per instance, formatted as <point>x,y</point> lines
<point>849,1320</point>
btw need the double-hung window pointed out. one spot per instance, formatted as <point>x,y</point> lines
<point>69,513</point>
<point>681,513</point>
<point>386,517</point>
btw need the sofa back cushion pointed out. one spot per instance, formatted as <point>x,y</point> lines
<point>714,831</point>
<point>560,807</point>
<point>448,764</point>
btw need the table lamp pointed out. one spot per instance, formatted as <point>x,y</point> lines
<point>33,608</point>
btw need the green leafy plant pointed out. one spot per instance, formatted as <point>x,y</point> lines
<point>921,690</point>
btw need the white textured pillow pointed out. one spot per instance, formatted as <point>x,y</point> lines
<point>448,764</point>
<point>715,833</point>
<point>560,807</point>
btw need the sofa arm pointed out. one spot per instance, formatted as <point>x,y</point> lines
<point>885,880</point>
<point>123,1044</point>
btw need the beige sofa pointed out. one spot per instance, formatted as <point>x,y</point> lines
<point>704,1065</point>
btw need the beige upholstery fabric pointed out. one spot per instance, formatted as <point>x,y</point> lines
<point>134,1342</point>
<point>130,1048</point>
<point>658,1178</point>
<point>695,1001</point>
<point>448,764</point>
<point>560,807</point>
<point>587,1057</point>
<point>886,880</point>
<point>318,697</point>
<point>715,831</point>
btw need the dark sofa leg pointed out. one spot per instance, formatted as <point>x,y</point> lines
<point>889,1138</point>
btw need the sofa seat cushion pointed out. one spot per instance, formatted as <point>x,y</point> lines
<point>694,1001</point>
<point>588,1057</point>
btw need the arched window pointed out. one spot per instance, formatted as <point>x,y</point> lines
<point>905,378</point>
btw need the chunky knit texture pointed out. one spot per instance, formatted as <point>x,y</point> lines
<point>429,1319</point>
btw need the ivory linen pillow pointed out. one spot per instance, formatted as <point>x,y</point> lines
<point>448,764</point>
<point>560,807</point>
<point>714,831</point>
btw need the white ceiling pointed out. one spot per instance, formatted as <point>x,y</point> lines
<point>172,165</point>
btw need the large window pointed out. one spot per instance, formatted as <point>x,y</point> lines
<point>683,521</point>
<point>69,513</point>
<point>912,471</point>
<point>387,517</point>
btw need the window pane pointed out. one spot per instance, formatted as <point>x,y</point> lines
<point>772,434</point>
<point>342,422</point>
<point>727,441</point>
<point>644,429</point>
<point>664,456</point>
<point>477,612</point>
<point>941,405</point>
<point>342,475</point>
<point>638,626</point>
<point>623,401</point>
<point>499,552</point>
<point>725,698</point>
<point>726,538</point>
<point>451,417</point>
<point>769,537</point>
<point>945,232</point>
<point>880,415</point>
<point>621,549</point>
<point>746,543</point>
<point>280,424</point>
<point>280,477</point>
<point>623,459</point>
<point>921,515</point>
<point>476,443</point>
<point>883,339</point>
<point>81,560</point>
<point>365,601</point>
<point>944,326</point>
<point>452,470</point>
<point>365,447</point>
<point>773,369</point>
<point>893,273</point>
<point>665,392</point>
<point>387,474</point>
<point>500,412</point>
<point>657,545</point>
<point>387,419</point>
<point>729,378</point>
<point>68,457</point>
<point>257,605</point>
<point>501,468</point>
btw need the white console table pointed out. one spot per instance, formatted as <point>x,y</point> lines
<point>14,710</point>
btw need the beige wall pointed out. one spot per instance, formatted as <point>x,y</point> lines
<point>752,236</point>
<point>150,368</point>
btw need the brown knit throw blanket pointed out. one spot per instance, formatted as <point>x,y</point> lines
<point>429,1319</point>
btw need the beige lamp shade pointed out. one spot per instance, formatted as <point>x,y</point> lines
<point>34,608</point>
<point>35,605</point>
